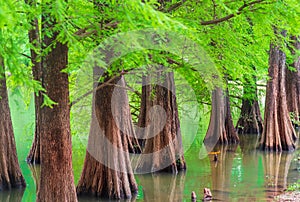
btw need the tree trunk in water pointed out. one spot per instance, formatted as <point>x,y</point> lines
<point>250,121</point>
<point>293,85</point>
<point>162,129</point>
<point>10,172</point>
<point>107,170</point>
<point>278,133</point>
<point>57,181</point>
<point>220,129</point>
<point>34,38</point>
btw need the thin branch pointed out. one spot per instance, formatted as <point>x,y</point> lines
<point>27,56</point>
<point>84,32</point>
<point>239,11</point>
<point>175,6</point>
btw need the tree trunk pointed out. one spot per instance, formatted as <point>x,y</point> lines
<point>250,121</point>
<point>34,38</point>
<point>163,145</point>
<point>146,104</point>
<point>107,170</point>
<point>10,172</point>
<point>293,85</point>
<point>220,129</point>
<point>278,133</point>
<point>57,181</point>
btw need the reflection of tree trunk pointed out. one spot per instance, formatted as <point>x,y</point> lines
<point>36,174</point>
<point>293,84</point>
<point>12,196</point>
<point>250,121</point>
<point>107,170</point>
<point>220,129</point>
<point>10,172</point>
<point>162,128</point>
<point>278,133</point>
<point>221,169</point>
<point>276,167</point>
<point>162,187</point>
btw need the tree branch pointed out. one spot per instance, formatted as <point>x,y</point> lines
<point>239,11</point>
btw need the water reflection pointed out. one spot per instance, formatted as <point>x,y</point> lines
<point>162,187</point>
<point>12,196</point>
<point>221,161</point>
<point>276,168</point>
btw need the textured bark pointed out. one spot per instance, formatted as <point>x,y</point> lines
<point>221,169</point>
<point>57,181</point>
<point>34,38</point>
<point>220,129</point>
<point>10,172</point>
<point>163,139</point>
<point>250,121</point>
<point>146,104</point>
<point>293,84</point>
<point>278,133</point>
<point>161,187</point>
<point>276,168</point>
<point>107,170</point>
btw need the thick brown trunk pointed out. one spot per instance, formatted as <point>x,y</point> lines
<point>107,170</point>
<point>34,38</point>
<point>10,172</point>
<point>293,85</point>
<point>278,133</point>
<point>57,181</point>
<point>250,121</point>
<point>162,129</point>
<point>220,129</point>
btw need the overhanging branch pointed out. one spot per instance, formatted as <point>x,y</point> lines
<point>239,11</point>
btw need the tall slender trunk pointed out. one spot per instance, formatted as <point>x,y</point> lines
<point>34,38</point>
<point>107,170</point>
<point>220,129</point>
<point>10,172</point>
<point>57,181</point>
<point>293,84</point>
<point>162,128</point>
<point>278,133</point>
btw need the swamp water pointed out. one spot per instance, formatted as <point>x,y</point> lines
<point>241,173</point>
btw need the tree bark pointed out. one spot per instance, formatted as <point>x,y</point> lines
<point>34,38</point>
<point>250,121</point>
<point>293,84</point>
<point>278,133</point>
<point>107,170</point>
<point>57,181</point>
<point>162,128</point>
<point>10,172</point>
<point>220,129</point>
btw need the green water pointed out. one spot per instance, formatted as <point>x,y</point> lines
<point>241,173</point>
